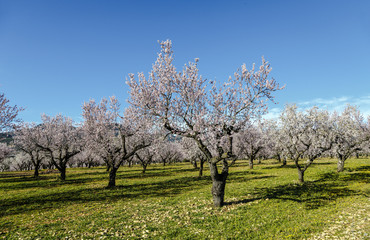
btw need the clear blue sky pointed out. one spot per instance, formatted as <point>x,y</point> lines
<point>54,55</point>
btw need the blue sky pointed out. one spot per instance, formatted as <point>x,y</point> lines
<point>54,55</point>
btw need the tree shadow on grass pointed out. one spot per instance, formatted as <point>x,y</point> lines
<point>244,176</point>
<point>157,172</point>
<point>243,201</point>
<point>50,180</point>
<point>362,168</point>
<point>25,175</point>
<point>362,177</point>
<point>318,163</point>
<point>313,195</point>
<point>280,166</point>
<point>46,181</point>
<point>52,200</point>
<point>291,165</point>
<point>11,175</point>
<point>358,177</point>
<point>26,180</point>
<point>241,163</point>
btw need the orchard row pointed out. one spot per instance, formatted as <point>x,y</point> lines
<point>177,115</point>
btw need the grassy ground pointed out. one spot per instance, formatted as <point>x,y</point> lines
<point>173,203</point>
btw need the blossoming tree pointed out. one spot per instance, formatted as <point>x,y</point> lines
<point>8,120</point>
<point>8,114</point>
<point>25,140</point>
<point>114,138</point>
<point>308,134</point>
<point>5,151</point>
<point>276,140</point>
<point>251,141</point>
<point>60,140</point>
<point>181,103</point>
<point>169,151</point>
<point>351,132</point>
<point>194,154</point>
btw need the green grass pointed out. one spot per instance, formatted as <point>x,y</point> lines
<point>173,203</point>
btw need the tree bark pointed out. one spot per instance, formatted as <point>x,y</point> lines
<point>144,168</point>
<point>218,192</point>
<point>251,163</point>
<point>218,184</point>
<point>201,168</point>
<point>284,161</point>
<point>340,166</point>
<point>62,173</point>
<point>194,162</point>
<point>112,177</point>
<point>301,175</point>
<point>36,173</point>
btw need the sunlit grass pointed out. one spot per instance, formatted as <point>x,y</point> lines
<point>172,202</point>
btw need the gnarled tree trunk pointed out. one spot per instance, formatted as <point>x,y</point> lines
<point>194,162</point>
<point>251,163</point>
<point>340,166</point>
<point>201,168</point>
<point>63,173</point>
<point>112,177</point>
<point>284,161</point>
<point>300,170</point>
<point>36,173</point>
<point>300,175</point>
<point>144,168</point>
<point>218,184</point>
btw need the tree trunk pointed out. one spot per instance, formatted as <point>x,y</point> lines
<point>144,168</point>
<point>301,175</point>
<point>340,166</point>
<point>112,177</point>
<point>63,173</point>
<point>278,158</point>
<point>195,165</point>
<point>36,173</point>
<point>50,166</point>
<point>259,161</point>
<point>251,163</point>
<point>201,168</point>
<point>284,161</point>
<point>218,192</point>
<point>218,185</point>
